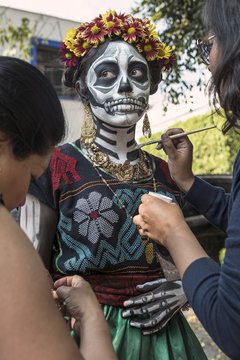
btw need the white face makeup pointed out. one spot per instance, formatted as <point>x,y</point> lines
<point>119,85</point>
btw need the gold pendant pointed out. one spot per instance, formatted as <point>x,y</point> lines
<point>88,133</point>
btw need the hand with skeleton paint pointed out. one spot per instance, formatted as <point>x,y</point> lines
<point>160,300</point>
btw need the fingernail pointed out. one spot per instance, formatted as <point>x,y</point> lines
<point>133,323</point>
<point>128,303</point>
<point>164,137</point>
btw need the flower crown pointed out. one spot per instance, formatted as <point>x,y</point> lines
<point>113,26</point>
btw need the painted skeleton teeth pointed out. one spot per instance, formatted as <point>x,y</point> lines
<point>124,105</point>
<point>124,108</point>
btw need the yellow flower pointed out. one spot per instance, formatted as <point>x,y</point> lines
<point>95,30</point>
<point>110,24</point>
<point>106,15</point>
<point>152,30</point>
<point>69,44</point>
<point>70,34</point>
<point>131,30</point>
<point>147,48</point>
<point>164,51</point>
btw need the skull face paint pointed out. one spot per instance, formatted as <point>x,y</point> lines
<point>119,85</point>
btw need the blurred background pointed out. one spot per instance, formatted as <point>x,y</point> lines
<point>33,31</point>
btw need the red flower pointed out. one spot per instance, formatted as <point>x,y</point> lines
<point>167,63</point>
<point>112,25</point>
<point>63,49</point>
<point>98,18</point>
<point>70,59</point>
<point>94,32</point>
<point>132,31</point>
<point>149,47</point>
<point>82,46</point>
<point>81,28</point>
<point>122,17</point>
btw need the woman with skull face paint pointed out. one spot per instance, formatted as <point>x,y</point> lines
<point>95,185</point>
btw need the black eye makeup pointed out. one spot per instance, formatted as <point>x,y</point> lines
<point>138,71</point>
<point>106,73</point>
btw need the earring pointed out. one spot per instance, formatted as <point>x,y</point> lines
<point>88,134</point>
<point>146,129</point>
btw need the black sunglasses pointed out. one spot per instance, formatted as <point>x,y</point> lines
<point>204,48</point>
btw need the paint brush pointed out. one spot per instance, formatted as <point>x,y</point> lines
<point>176,136</point>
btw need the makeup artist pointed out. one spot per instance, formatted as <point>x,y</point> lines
<point>213,291</point>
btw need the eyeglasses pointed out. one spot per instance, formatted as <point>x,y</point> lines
<point>204,48</point>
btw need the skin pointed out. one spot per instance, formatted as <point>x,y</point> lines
<point>164,222</point>
<point>214,54</point>
<point>89,321</point>
<point>32,326</point>
<point>14,192</point>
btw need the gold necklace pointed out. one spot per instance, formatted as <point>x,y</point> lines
<point>115,195</point>
<point>123,172</point>
<point>109,187</point>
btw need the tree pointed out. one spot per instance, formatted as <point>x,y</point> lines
<point>182,26</point>
<point>17,40</point>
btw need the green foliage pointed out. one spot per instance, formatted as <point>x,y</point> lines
<point>214,153</point>
<point>17,39</point>
<point>182,25</point>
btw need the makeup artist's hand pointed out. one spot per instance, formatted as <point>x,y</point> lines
<point>179,153</point>
<point>159,220</point>
<point>160,299</point>
<point>81,302</point>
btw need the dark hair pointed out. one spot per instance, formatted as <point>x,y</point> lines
<point>222,18</point>
<point>73,74</point>
<point>31,115</point>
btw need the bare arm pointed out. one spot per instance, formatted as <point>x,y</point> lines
<point>91,325</point>
<point>31,326</point>
<point>39,222</point>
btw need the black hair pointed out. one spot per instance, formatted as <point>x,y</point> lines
<point>73,74</point>
<point>31,115</point>
<point>222,18</point>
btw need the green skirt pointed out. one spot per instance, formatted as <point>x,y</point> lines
<point>176,341</point>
